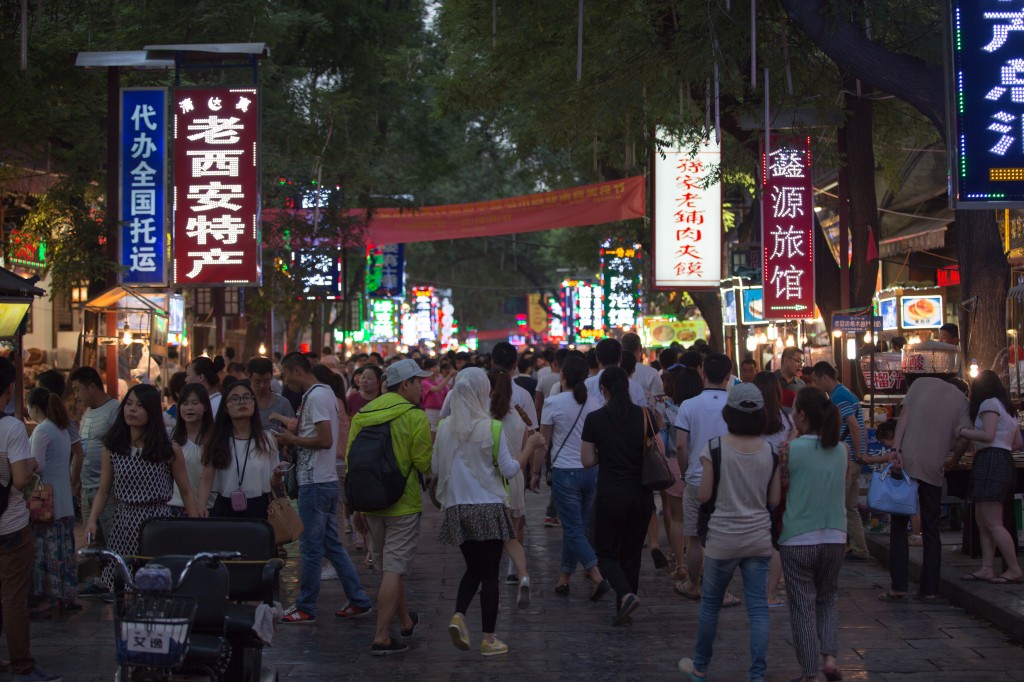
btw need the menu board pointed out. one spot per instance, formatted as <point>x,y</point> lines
<point>729,307</point>
<point>887,311</point>
<point>753,306</point>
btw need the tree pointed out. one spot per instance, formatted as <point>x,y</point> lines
<point>984,272</point>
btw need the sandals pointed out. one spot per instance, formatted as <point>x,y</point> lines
<point>730,600</point>
<point>1003,580</point>
<point>891,596</point>
<point>974,577</point>
<point>682,588</point>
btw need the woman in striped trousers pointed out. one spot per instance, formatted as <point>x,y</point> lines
<point>813,537</point>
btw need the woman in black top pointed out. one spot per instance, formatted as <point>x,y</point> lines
<point>615,435</point>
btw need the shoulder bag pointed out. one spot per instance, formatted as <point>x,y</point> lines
<point>551,464</point>
<point>655,473</point>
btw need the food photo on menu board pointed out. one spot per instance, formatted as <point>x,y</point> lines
<point>729,307</point>
<point>887,311</point>
<point>921,312</point>
<point>753,306</point>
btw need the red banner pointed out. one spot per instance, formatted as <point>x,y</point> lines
<point>216,187</point>
<point>787,229</point>
<point>604,202</point>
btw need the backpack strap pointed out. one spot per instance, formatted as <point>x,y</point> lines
<point>496,438</point>
<point>715,446</point>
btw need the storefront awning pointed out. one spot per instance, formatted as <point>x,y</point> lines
<point>920,235</point>
<point>109,299</point>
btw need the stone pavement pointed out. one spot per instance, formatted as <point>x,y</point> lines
<point>570,638</point>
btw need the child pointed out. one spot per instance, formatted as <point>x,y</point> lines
<point>885,433</point>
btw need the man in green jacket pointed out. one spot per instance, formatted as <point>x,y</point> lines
<point>395,530</point>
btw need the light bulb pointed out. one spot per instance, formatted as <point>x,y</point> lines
<point>779,345</point>
<point>127,338</point>
<point>751,343</point>
<point>184,342</point>
<point>836,333</point>
<point>973,371</point>
<point>762,338</point>
<point>851,349</point>
<point>790,341</point>
<point>262,350</point>
<point>773,332</point>
<point>867,337</point>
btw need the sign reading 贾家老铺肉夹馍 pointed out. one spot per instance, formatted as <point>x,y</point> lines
<point>216,187</point>
<point>687,219</point>
<point>787,229</point>
<point>385,271</point>
<point>143,174</point>
<point>987,100</point>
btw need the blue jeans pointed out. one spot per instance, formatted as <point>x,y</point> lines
<point>575,490</point>
<point>318,509</point>
<point>717,574</point>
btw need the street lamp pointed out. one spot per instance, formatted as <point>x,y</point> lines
<point>262,350</point>
<point>79,294</point>
<point>127,339</point>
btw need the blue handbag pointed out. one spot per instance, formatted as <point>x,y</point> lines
<point>892,495</point>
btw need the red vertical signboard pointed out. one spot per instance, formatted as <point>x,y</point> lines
<point>787,229</point>
<point>216,187</point>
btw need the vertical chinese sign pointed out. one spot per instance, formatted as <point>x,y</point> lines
<point>988,104</point>
<point>385,271</point>
<point>143,174</point>
<point>687,219</point>
<point>620,279</point>
<point>787,229</point>
<point>216,187</point>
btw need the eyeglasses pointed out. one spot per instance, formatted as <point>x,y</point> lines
<point>796,358</point>
<point>240,399</point>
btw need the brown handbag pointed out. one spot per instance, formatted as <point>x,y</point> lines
<point>655,473</point>
<point>284,519</point>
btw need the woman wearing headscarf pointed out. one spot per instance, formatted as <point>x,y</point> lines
<point>472,460</point>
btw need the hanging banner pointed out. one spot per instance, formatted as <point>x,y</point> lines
<point>385,271</point>
<point>687,220</point>
<point>216,187</point>
<point>143,173</point>
<point>620,282</point>
<point>787,229</point>
<point>536,316</point>
<point>987,51</point>
<point>604,202</point>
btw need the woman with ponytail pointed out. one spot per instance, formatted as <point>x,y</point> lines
<point>575,487</point>
<point>615,436</point>
<point>55,572</point>
<point>813,537</point>
<point>206,372</point>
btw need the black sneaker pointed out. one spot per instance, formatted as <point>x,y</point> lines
<point>659,558</point>
<point>630,603</point>
<point>511,579</point>
<point>395,646</point>
<point>850,556</point>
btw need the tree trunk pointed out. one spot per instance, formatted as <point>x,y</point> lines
<point>985,279</point>
<point>710,308</point>
<point>826,275</point>
<point>863,203</point>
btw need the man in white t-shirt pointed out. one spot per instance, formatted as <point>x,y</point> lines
<point>318,492</point>
<point>609,352</point>
<point>645,375</point>
<point>699,420</point>
<point>16,544</point>
<point>551,378</point>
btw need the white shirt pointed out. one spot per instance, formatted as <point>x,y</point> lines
<point>636,392</point>
<point>193,453</point>
<point>215,399</point>
<point>318,466</point>
<point>701,417</point>
<point>255,474</point>
<point>561,412</point>
<point>545,383</point>
<point>471,478</point>
<point>649,379</point>
<point>14,447</point>
<point>1006,427</point>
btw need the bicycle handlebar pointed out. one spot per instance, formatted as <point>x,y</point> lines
<point>121,566</point>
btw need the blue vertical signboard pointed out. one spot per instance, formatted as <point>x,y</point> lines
<point>385,271</point>
<point>987,99</point>
<point>143,175</point>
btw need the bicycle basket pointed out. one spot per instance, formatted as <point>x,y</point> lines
<point>152,629</point>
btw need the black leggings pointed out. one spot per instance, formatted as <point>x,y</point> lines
<point>482,561</point>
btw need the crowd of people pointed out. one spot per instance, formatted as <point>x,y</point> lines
<point>766,468</point>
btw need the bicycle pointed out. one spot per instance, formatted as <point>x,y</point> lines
<point>153,622</point>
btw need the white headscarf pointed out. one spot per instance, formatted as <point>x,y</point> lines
<point>470,420</point>
<point>468,423</point>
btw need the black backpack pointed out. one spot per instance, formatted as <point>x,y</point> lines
<point>374,480</point>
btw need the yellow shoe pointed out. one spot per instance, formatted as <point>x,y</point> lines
<point>495,648</point>
<point>460,635</point>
